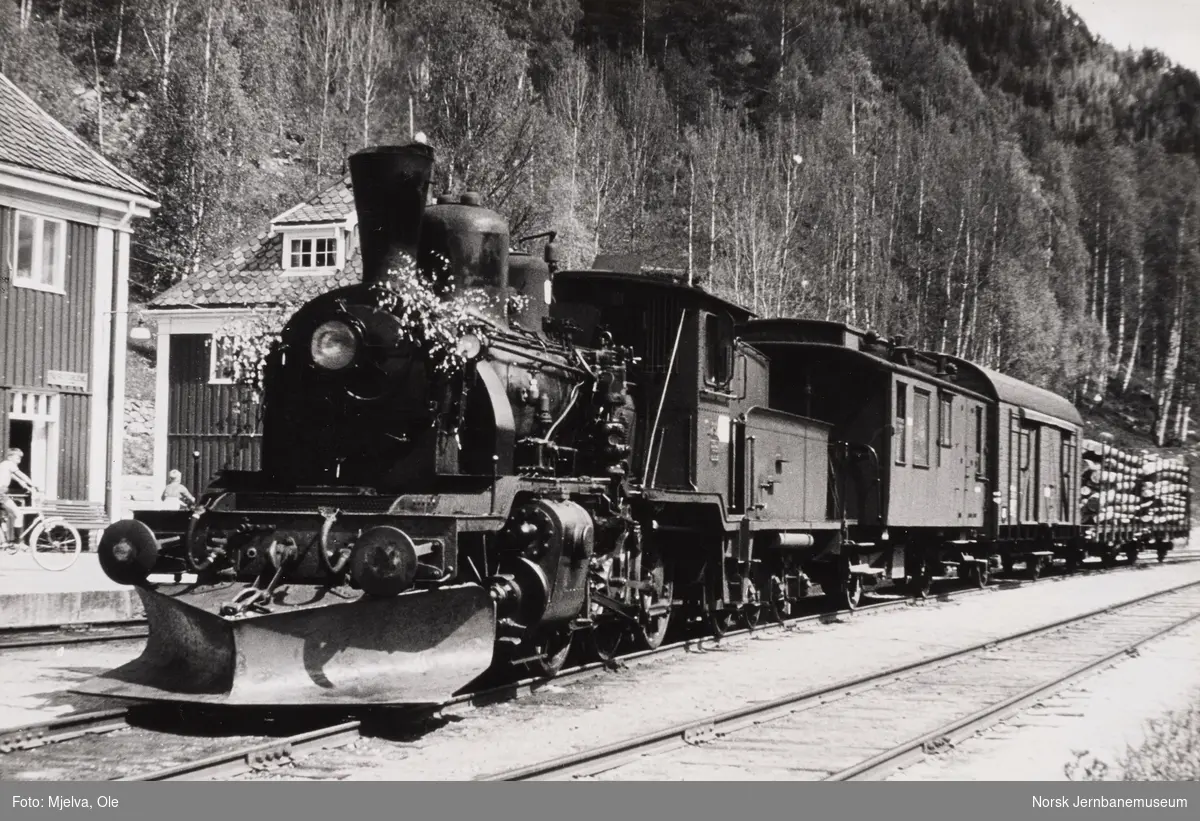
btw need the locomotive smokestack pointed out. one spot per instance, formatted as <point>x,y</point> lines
<point>391,185</point>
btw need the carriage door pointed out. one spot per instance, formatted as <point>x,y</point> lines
<point>1048,473</point>
<point>970,445</point>
<point>1026,473</point>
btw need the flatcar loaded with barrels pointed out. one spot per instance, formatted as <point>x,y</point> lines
<point>472,471</point>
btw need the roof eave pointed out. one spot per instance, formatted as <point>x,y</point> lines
<point>99,196</point>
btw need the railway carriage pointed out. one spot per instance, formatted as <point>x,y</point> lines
<point>910,464</point>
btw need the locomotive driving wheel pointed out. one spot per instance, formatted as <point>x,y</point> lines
<point>554,647</point>
<point>609,635</point>
<point>652,624</point>
<point>646,603</point>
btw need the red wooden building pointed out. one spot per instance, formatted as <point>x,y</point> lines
<point>66,217</point>
<point>205,422</point>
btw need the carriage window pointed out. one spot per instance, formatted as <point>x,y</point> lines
<point>901,435</point>
<point>946,421</point>
<point>921,428</point>
<point>718,350</point>
<point>980,452</point>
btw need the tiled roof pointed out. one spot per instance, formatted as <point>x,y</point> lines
<point>252,274</point>
<point>333,204</point>
<point>31,138</point>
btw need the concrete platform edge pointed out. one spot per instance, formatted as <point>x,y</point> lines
<point>51,609</point>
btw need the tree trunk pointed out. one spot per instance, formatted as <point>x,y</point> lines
<point>99,91</point>
<point>962,219</point>
<point>691,270</point>
<point>1119,355</point>
<point>120,33</point>
<point>962,302</point>
<point>853,202</point>
<point>1174,339</point>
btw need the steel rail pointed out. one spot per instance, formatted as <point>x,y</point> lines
<point>612,756</point>
<point>39,734</point>
<point>267,753</point>
<point>876,767</point>
<point>14,638</point>
<point>279,751</point>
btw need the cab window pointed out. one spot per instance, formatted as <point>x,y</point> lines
<point>718,339</point>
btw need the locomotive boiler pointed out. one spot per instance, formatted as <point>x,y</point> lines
<point>410,526</point>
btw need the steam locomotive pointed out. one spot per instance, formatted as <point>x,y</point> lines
<point>612,451</point>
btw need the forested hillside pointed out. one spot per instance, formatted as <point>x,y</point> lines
<point>980,176</point>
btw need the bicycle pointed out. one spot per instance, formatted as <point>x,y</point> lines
<point>53,541</point>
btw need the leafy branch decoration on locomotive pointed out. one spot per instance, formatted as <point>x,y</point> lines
<point>245,343</point>
<point>473,462</point>
<point>433,318</point>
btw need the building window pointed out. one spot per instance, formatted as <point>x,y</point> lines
<point>220,361</point>
<point>317,252</point>
<point>901,436</point>
<point>921,405</point>
<point>40,254</point>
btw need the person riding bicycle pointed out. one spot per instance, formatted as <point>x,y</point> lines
<point>10,471</point>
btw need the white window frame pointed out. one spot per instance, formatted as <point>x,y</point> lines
<point>312,235</point>
<point>57,285</point>
<point>213,377</point>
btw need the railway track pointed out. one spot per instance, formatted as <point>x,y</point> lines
<point>213,758</point>
<point>16,638</point>
<point>864,728</point>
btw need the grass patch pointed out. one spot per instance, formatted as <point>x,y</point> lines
<point>1169,752</point>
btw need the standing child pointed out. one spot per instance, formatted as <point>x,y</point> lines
<point>176,491</point>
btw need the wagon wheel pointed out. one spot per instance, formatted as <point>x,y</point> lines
<point>750,615</point>
<point>1035,568</point>
<point>850,592</point>
<point>980,575</point>
<point>651,630</point>
<point>922,582</point>
<point>719,621</point>
<point>554,646</point>
<point>751,610</point>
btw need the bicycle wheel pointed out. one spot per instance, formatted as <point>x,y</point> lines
<point>55,544</point>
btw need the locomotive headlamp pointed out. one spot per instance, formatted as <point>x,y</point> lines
<point>469,346</point>
<point>333,345</point>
